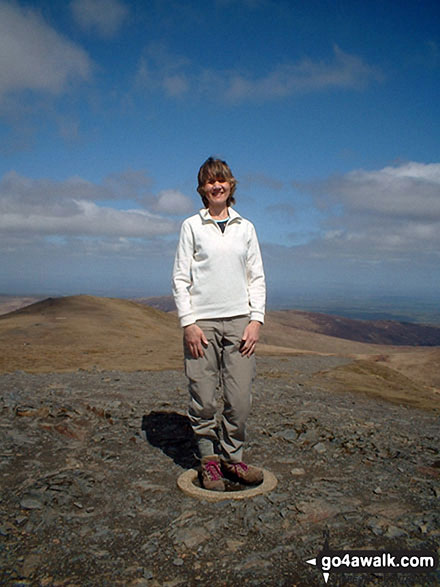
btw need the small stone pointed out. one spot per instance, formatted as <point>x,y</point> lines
<point>30,565</point>
<point>191,537</point>
<point>394,532</point>
<point>31,503</point>
<point>320,448</point>
<point>376,526</point>
<point>297,472</point>
<point>147,486</point>
<point>377,491</point>
<point>289,435</point>
<point>234,545</point>
<point>178,562</point>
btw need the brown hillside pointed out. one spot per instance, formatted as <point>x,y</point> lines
<point>11,303</point>
<point>62,334</point>
<point>65,334</point>
<point>59,334</point>
<point>386,332</point>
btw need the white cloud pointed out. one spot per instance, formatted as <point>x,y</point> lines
<point>15,188</point>
<point>33,56</point>
<point>172,202</point>
<point>394,211</point>
<point>411,190</point>
<point>89,219</point>
<point>46,207</point>
<point>103,16</point>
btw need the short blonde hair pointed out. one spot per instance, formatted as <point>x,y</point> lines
<point>216,169</point>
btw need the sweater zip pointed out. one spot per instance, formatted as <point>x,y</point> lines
<point>228,222</point>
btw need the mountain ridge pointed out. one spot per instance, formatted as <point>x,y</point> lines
<point>92,333</point>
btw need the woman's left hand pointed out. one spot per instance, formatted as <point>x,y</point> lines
<point>250,338</point>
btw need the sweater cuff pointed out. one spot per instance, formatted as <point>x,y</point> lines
<point>187,320</point>
<point>258,316</point>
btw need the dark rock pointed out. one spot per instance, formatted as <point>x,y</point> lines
<point>84,504</point>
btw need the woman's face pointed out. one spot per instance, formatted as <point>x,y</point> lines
<point>217,191</point>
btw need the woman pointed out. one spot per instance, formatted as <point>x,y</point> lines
<point>219,289</point>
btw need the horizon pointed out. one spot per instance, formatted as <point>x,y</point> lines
<point>325,112</point>
<point>419,310</point>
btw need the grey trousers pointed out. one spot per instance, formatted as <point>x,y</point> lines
<point>222,364</point>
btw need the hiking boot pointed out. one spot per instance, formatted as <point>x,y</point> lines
<point>243,473</point>
<point>211,474</point>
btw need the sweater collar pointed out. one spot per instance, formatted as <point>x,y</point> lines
<point>206,216</point>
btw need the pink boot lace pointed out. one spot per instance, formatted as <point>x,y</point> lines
<point>213,470</point>
<point>238,466</point>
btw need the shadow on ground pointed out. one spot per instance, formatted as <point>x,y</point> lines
<point>172,433</point>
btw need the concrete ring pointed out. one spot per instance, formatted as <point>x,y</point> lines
<point>185,482</point>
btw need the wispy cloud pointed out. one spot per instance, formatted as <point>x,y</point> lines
<point>177,76</point>
<point>33,56</point>
<point>104,17</point>
<point>262,180</point>
<point>342,70</point>
<point>159,69</point>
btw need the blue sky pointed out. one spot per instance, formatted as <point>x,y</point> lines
<point>328,113</point>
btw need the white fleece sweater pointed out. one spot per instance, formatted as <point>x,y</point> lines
<point>218,275</point>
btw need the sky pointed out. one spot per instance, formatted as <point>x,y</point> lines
<point>328,113</point>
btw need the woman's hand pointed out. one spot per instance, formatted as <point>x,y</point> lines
<point>250,338</point>
<point>195,340</point>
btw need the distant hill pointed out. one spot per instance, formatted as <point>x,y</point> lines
<point>164,303</point>
<point>386,332</point>
<point>11,303</point>
<point>368,331</point>
<point>85,331</point>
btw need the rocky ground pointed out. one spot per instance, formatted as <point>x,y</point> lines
<point>89,463</point>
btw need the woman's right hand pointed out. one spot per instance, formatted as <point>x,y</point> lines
<point>195,339</point>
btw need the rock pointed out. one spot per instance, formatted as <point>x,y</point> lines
<point>289,435</point>
<point>32,412</point>
<point>106,511</point>
<point>320,448</point>
<point>394,532</point>
<point>32,503</point>
<point>234,545</point>
<point>297,472</point>
<point>377,525</point>
<point>30,565</point>
<point>191,537</point>
<point>315,511</point>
